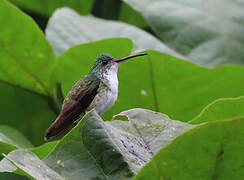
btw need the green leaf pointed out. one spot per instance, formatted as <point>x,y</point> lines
<point>6,166</point>
<point>184,89</point>
<point>210,151</point>
<point>43,150</point>
<point>130,16</point>
<point>209,33</point>
<point>47,7</point>
<point>27,112</point>
<point>88,151</point>
<point>10,176</point>
<point>6,148</point>
<point>221,109</point>
<point>106,9</point>
<point>113,150</point>
<point>98,149</point>
<point>29,164</point>
<point>12,136</point>
<point>66,28</point>
<point>158,82</point>
<point>11,139</point>
<point>10,145</point>
<point>152,129</point>
<point>27,58</point>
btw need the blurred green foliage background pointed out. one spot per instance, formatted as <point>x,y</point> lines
<point>193,72</point>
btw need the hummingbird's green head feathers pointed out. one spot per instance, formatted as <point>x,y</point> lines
<point>106,64</point>
<point>103,64</point>
<point>104,58</point>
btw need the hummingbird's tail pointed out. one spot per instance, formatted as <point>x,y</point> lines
<point>61,124</point>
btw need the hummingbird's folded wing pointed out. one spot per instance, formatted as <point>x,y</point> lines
<point>75,104</point>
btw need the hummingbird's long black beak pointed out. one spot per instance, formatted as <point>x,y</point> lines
<point>128,57</point>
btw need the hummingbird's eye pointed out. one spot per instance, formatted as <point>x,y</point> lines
<point>105,62</point>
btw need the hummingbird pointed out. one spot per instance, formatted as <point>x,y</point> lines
<point>98,90</point>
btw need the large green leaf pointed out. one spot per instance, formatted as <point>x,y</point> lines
<point>151,128</point>
<point>115,149</point>
<point>47,7</point>
<point>6,148</point>
<point>207,32</point>
<point>130,16</point>
<point>29,164</point>
<point>27,58</point>
<point>221,109</point>
<point>184,89</point>
<point>210,151</point>
<point>159,82</point>
<point>23,160</point>
<point>26,65</point>
<point>11,136</point>
<point>103,150</point>
<point>25,111</point>
<point>11,176</point>
<point>66,28</point>
<point>43,150</point>
<point>10,139</point>
<point>88,151</point>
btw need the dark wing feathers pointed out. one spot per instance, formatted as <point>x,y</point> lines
<point>74,105</point>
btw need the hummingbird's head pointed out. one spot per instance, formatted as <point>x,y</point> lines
<point>106,64</point>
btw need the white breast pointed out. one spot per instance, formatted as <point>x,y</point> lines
<point>107,97</point>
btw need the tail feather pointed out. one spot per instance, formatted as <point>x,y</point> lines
<point>61,124</point>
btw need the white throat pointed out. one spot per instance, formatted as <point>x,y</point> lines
<point>107,97</point>
<point>111,80</point>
